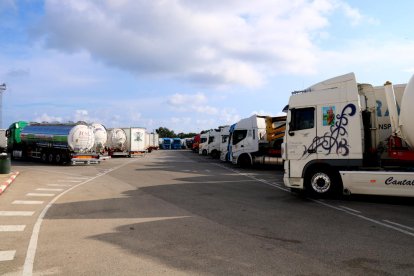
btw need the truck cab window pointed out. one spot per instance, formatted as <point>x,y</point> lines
<point>303,118</point>
<point>210,139</point>
<point>239,135</point>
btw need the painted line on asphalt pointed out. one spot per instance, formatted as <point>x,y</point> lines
<point>400,225</point>
<point>12,228</point>
<point>329,205</point>
<point>7,255</point>
<point>27,202</point>
<point>31,250</point>
<point>39,194</point>
<point>16,213</point>
<point>60,185</point>
<point>49,189</point>
<point>363,217</point>
<point>70,181</point>
<point>349,209</point>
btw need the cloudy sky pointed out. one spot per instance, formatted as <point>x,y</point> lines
<point>189,65</point>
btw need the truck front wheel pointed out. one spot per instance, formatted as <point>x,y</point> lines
<point>323,182</point>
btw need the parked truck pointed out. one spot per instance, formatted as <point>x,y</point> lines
<point>338,140</point>
<point>202,145</point>
<point>166,143</point>
<point>53,143</point>
<point>116,143</point>
<point>176,143</point>
<point>135,142</point>
<point>101,136</point>
<point>257,140</point>
<point>154,137</point>
<point>225,133</point>
<point>196,143</point>
<point>214,140</point>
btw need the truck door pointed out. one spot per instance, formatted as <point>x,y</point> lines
<point>300,133</point>
<point>238,141</point>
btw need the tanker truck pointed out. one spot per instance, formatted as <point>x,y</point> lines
<point>338,139</point>
<point>52,143</point>
<point>116,143</point>
<point>101,136</point>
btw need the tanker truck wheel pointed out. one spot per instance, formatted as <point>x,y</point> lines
<point>50,158</point>
<point>44,157</point>
<point>58,158</point>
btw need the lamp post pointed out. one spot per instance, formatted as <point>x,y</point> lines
<point>2,89</point>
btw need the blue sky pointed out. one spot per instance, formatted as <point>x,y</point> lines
<point>189,65</point>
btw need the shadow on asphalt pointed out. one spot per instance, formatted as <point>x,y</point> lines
<point>234,226</point>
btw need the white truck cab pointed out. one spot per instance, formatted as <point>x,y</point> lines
<point>337,140</point>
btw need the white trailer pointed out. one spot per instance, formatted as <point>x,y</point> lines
<point>257,140</point>
<point>135,143</point>
<point>345,137</point>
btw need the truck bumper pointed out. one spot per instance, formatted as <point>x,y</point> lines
<point>293,182</point>
<point>83,161</point>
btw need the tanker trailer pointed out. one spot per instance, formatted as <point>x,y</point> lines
<point>101,136</point>
<point>116,143</point>
<point>53,143</point>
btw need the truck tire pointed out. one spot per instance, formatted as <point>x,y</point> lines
<point>50,158</point>
<point>323,182</point>
<point>44,157</point>
<point>58,158</point>
<point>244,161</point>
<point>215,154</point>
<point>204,152</point>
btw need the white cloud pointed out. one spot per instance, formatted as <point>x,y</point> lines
<point>47,118</point>
<point>191,103</point>
<point>216,43</point>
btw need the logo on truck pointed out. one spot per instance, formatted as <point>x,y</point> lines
<point>336,139</point>
<point>405,182</point>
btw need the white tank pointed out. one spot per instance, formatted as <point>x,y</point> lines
<point>406,114</point>
<point>81,138</point>
<point>101,136</point>
<point>117,139</point>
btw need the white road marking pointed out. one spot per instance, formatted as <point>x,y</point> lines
<point>16,213</point>
<point>7,255</point>
<point>31,250</point>
<point>60,185</point>
<point>350,209</point>
<point>327,204</point>
<point>49,189</point>
<point>70,181</point>
<point>12,228</point>
<point>400,225</point>
<point>27,202</point>
<point>39,194</point>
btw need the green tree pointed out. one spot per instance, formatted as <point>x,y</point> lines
<point>164,132</point>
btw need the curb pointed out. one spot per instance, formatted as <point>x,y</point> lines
<point>7,183</point>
